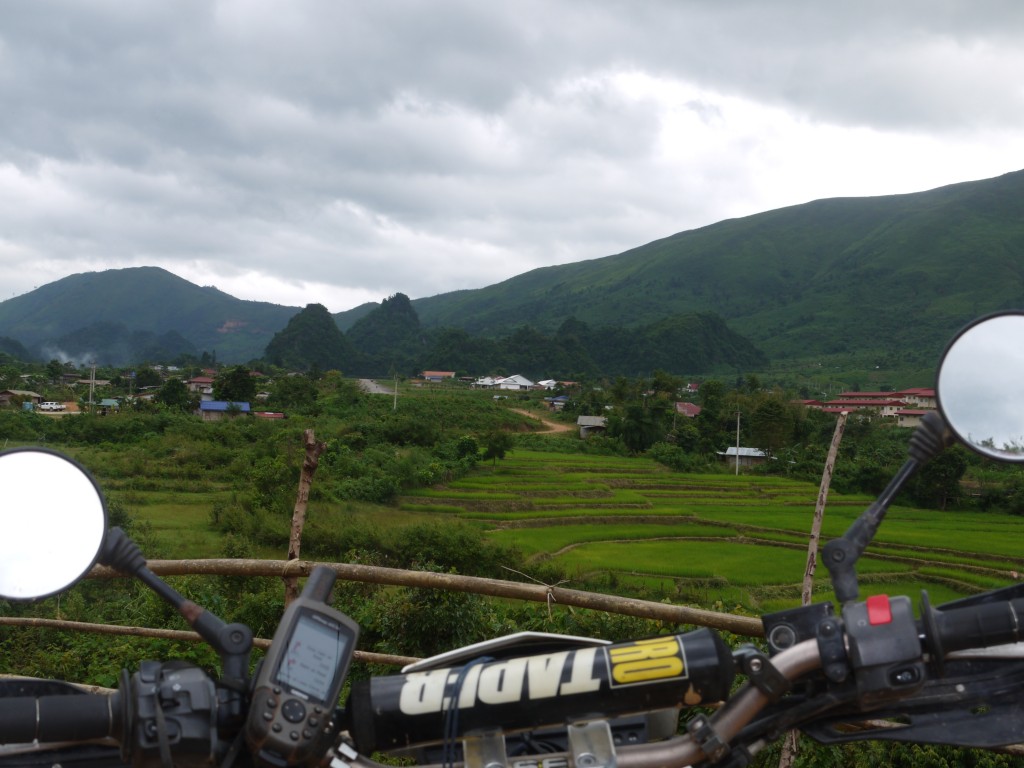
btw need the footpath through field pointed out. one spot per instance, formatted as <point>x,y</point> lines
<point>549,425</point>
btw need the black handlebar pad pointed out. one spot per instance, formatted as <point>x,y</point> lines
<point>56,718</point>
<point>977,626</point>
<point>400,711</point>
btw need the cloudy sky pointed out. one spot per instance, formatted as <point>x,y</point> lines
<point>337,152</point>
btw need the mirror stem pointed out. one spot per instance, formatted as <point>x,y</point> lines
<point>232,642</point>
<point>840,555</point>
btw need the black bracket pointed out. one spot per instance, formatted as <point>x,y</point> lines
<point>761,672</point>
<point>704,735</point>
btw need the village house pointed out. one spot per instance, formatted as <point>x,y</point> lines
<point>590,425</point>
<point>514,382</point>
<point>814,404</point>
<point>745,457</point>
<point>883,407</point>
<point>214,410</point>
<point>920,397</point>
<point>910,417</point>
<point>201,385</point>
<point>26,396</point>
<point>688,409</point>
<point>437,376</point>
<point>901,406</point>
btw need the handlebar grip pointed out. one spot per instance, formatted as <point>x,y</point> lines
<point>56,718</point>
<point>977,626</point>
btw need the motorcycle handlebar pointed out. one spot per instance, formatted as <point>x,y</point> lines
<point>975,626</point>
<point>373,724</point>
<point>54,718</point>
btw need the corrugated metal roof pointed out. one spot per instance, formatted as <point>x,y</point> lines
<point>222,405</point>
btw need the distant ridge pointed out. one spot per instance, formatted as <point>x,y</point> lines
<point>892,276</point>
<point>837,275</point>
<point>143,299</point>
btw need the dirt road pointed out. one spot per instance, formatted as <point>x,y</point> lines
<point>371,386</point>
<point>549,426</point>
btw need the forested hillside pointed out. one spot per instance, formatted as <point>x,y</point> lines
<point>841,275</point>
<point>310,340</point>
<point>887,277</point>
<point>389,341</point>
<point>69,317</point>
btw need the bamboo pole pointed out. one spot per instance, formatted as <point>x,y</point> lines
<point>819,509</point>
<point>370,574</point>
<point>791,745</point>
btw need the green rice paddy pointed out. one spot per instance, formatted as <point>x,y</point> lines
<point>632,525</point>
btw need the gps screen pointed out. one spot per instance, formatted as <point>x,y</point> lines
<point>315,652</point>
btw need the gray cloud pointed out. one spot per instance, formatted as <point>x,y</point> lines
<point>357,149</point>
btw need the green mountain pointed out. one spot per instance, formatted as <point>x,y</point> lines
<point>146,299</point>
<point>311,339</point>
<point>388,337</point>
<point>838,275</point>
<point>123,345</point>
<point>14,349</point>
<point>891,276</point>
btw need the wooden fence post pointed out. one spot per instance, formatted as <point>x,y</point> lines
<point>309,465</point>
<point>791,745</point>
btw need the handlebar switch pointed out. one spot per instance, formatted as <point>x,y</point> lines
<point>884,647</point>
<point>832,649</point>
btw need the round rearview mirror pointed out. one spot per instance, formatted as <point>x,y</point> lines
<point>980,386</point>
<point>52,523</point>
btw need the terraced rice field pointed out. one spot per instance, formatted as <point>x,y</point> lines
<point>633,525</point>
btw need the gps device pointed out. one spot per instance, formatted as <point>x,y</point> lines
<point>298,684</point>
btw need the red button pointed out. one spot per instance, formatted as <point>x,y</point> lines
<point>879,611</point>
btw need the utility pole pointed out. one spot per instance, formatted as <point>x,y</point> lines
<point>737,442</point>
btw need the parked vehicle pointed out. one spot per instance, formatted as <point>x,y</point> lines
<point>50,405</point>
<point>869,670</point>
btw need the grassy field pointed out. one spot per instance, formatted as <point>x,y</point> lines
<point>632,524</point>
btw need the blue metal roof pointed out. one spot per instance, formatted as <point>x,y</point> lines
<point>223,405</point>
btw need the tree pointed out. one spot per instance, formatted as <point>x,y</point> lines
<point>496,444</point>
<point>54,370</point>
<point>235,384</point>
<point>938,482</point>
<point>666,383</point>
<point>623,390</point>
<point>710,421</point>
<point>771,425</point>
<point>293,392</point>
<point>640,426</point>
<point>147,377</point>
<point>175,395</point>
